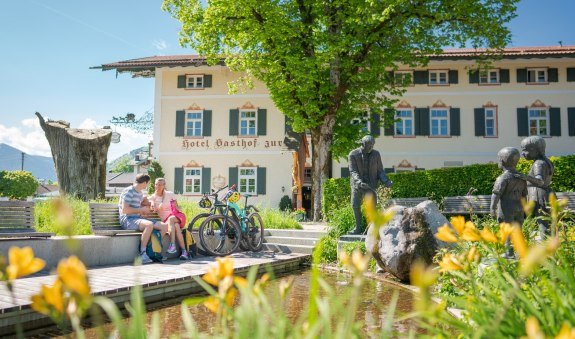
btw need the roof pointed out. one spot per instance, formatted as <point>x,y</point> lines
<point>146,66</point>
<point>120,178</point>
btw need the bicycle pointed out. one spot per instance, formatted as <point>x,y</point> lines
<point>221,234</point>
<point>214,208</point>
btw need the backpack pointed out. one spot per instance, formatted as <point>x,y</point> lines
<point>154,248</point>
<point>177,213</point>
<point>190,243</point>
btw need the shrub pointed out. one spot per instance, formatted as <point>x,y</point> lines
<point>47,219</point>
<point>336,194</point>
<point>17,184</point>
<point>285,203</point>
<point>154,171</point>
<point>278,220</point>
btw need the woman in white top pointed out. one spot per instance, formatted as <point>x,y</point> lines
<point>160,202</point>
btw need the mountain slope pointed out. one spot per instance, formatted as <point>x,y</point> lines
<point>40,167</point>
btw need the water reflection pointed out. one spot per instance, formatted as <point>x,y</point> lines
<point>375,297</point>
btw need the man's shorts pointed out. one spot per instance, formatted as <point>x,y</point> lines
<point>131,222</point>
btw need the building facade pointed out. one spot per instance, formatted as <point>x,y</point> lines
<point>452,114</point>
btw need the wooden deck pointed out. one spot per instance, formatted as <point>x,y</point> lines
<point>164,281</point>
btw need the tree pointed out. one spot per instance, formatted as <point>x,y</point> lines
<point>154,171</point>
<point>123,166</point>
<point>17,184</point>
<point>326,62</point>
<point>80,157</point>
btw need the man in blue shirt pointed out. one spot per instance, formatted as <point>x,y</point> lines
<point>133,213</point>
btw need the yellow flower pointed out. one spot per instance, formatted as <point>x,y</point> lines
<point>72,272</point>
<point>241,282</point>
<point>450,263</point>
<point>49,299</point>
<point>224,267</point>
<point>375,217</point>
<point>532,328</point>
<point>505,230</point>
<point>422,275</point>
<point>472,255</point>
<point>213,303</point>
<point>284,286</point>
<point>487,235</point>
<point>444,233</point>
<point>470,233</point>
<point>519,243</point>
<point>458,224</point>
<point>528,206</point>
<point>565,332</point>
<point>537,254</point>
<point>22,263</point>
<point>359,261</point>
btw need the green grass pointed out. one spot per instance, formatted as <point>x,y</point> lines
<point>275,219</point>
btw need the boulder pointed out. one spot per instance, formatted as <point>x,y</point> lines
<point>408,237</point>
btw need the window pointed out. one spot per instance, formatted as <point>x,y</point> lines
<point>403,78</point>
<point>439,122</point>
<point>247,179</point>
<point>490,121</point>
<point>489,77</point>
<point>194,81</point>
<point>248,123</point>
<point>536,75</point>
<point>193,123</point>
<point>538,122</point>
<point>438,78</point>
<point>192,180</point>
<point>404,127</point>
<point>362,121</point>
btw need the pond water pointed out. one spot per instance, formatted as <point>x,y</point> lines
<point>376,295</point>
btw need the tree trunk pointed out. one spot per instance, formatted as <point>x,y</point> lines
<point>80,157</point>
<point>322,138</point>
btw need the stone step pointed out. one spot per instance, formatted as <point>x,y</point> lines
<point>295,233</point>
<point>291,240</point>
<point>281,248</point>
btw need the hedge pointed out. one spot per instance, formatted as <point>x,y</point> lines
<point>17,184</point>
<point>445,182</point>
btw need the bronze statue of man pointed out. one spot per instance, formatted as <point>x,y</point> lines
<point>366,171</point>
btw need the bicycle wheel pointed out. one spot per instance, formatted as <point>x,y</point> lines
<point>255,232</point>
<point>197,221</point>
<point>251,208</point>
<point>219,235</point>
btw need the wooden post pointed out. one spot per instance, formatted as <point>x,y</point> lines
<point>80,157</point>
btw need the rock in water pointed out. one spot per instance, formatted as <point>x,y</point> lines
<point>407,237</point>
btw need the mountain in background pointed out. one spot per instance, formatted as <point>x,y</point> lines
<point>40,167</point>
<point>130,156</point>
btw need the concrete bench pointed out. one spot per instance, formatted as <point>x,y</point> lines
<point>17,220</point>
<point>467,204</point>
<point>408,202</point>
<point>105,220</point>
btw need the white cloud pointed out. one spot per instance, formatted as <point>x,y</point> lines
<point>160,44</point>
<point>30,138</point>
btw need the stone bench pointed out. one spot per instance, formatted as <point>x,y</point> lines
<point>408,202</point>
<point>466,204</point>
<point>105,220</point>
<point>17,220</point>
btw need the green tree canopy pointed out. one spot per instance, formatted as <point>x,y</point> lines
<point>326,62</point>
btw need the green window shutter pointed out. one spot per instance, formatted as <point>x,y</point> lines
<point>180,123</point>
<point>522,122</point>
<point>234,121</point>
<point>207,123</point>
<point>422,121</point>
<point>179,180</point>
<point>206,179</point>
<point>207,80</point>
<point>453,77</point>
<point>262,121</point>
<point>233,176</point>
<point>504,76</point>
<point>570,74</point>
<point>571,121</point>
<point>181,81</point>
<point>521,75</point>
<point>555,121</point>
<point>552,75</point>
<point>474,76</point>
<point>391,77</point>
<point>374,124</point>
<point>420,77</point>
<point>388,121</point>
<point>479,114</point>
<point>345,172</point>
<point>261,180</point>
<point>454,122</point>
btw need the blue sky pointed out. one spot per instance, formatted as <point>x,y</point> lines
<point>48,47</point>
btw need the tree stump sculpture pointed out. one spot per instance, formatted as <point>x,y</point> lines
<point>80,157</point>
